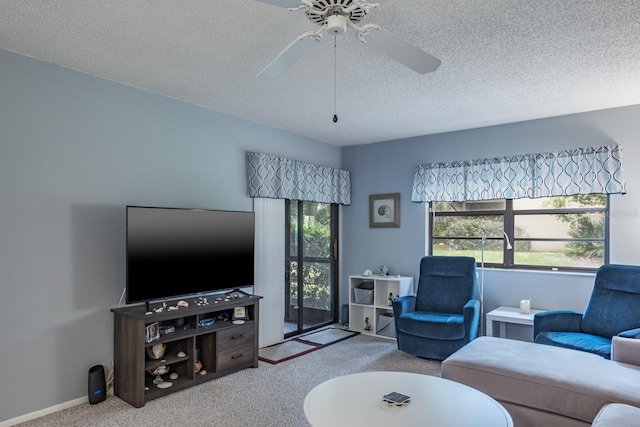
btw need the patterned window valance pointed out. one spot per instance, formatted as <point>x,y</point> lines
<point>564,173</point>
<point>279,178</point>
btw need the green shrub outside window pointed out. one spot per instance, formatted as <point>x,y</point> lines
<point>550,233</point>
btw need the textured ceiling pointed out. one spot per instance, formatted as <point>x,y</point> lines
<point>502,60</point>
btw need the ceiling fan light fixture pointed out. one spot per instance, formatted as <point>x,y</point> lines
<point>337,24</point>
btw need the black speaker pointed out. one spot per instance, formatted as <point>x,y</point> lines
<point>97,385</point>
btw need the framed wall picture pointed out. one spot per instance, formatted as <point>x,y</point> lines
<point>384,210</point>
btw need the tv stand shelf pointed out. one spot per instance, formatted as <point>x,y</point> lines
<point>221,348</point>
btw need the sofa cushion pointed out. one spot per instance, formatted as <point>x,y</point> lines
<point>432,325</point>
<point>617,415</point>
<point>571,383</point>
<point>625,350</point>
<point>578,341</point>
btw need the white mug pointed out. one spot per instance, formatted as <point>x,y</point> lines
<point>525,306</point>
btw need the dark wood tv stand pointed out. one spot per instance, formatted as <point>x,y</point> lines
<point>221,348</point>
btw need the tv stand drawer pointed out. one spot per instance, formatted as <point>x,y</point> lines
<point>236,347</point>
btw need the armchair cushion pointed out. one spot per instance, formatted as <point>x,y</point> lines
<point>577,341</point>
<point>439,326</point>
<point>614,305</point>
<point>445,284</point>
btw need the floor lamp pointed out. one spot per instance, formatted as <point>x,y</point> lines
<point>483,241</point>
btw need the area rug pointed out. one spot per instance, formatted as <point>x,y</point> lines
<point>286,350</point>
<point>327,336</point>
<point>303,344</point>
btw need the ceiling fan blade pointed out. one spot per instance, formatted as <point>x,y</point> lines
<point>289,56</point>
<point>403,52</point>
<point>282,3</point>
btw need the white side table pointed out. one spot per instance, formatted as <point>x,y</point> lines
<point>506,315</point>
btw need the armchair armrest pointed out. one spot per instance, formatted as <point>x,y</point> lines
<point>556,320</point>
<point>631,333</point>
<point>625,350</point>
<point>471,311</point>
<point>405,304</point>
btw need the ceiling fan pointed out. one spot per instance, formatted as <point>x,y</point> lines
<point>335,17</point>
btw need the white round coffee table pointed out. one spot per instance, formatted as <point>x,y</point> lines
<point>357,400</point>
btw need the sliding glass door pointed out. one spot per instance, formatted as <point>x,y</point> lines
<point>311,295</point>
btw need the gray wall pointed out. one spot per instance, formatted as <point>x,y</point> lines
<point>74,150</point>
<point>388,167</point>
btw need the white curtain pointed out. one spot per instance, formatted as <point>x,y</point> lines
<point>269,268</point>
<point>593,170</point>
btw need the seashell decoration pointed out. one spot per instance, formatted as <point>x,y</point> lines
<point>156,351</point>
<point>160,370</point>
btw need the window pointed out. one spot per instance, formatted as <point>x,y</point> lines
<point>558,233</point>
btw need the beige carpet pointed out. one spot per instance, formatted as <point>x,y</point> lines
<point>271,395</point>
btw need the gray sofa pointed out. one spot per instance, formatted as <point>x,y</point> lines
<point>542,385</point>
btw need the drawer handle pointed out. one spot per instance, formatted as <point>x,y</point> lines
<point>235,337</point>
<point>237,356</point>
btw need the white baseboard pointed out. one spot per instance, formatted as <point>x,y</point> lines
<point>43,412</point>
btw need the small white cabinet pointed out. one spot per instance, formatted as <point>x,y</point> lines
<point>370,310</point>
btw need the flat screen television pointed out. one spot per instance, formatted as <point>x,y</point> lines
<point>173,252</point>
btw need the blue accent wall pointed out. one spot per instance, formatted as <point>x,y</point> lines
<point>74,151</point>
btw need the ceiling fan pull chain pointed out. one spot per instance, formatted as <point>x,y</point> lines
<point>335,79</point>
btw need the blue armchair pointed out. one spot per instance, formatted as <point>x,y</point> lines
<point>443,316</point>
<point>613,310</point>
